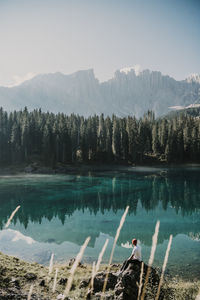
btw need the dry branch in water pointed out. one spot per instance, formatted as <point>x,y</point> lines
<point>113,248</point>
<point>11,217</point>
<point>164,266</point>
<point>151,258</point>
<point>73,269</point>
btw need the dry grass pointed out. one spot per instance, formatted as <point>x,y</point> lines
<point>11,216</point>
<point>73,269</point>
<point>174,288</point>
<point>164,266</point>
<point>177,289</point>
<point>55,281</point>
<point>30,292</point>
<point>93,275</point>
<point>95,267</point>
<point>151,258</point>
<point>101,255</point>
<point>198,296</point>
<point>113,248</point>
<point>51,264</point>
<point>140,284</point>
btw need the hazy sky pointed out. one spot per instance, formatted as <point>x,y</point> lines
<point>43,36</point>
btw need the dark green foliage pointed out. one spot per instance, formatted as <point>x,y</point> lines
<point>49,138</point>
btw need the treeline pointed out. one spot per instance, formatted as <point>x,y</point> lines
<point>52,138</point>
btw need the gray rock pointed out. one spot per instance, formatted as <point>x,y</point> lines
<point>42,282</point>
<point>99,281</point>
<point>72,260</point>
<point>15,282</point>
<point>84,284</point>
<point>124,286</point>
<point>30,276</point>
<point>128,283</point>
<point>62,281</point>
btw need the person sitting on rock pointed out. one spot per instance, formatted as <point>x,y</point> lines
<point>135,255</point>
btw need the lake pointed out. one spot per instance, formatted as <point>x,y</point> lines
<point>58,212</point>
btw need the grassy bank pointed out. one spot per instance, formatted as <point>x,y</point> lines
<point>17,276</point>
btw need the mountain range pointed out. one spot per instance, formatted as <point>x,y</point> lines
<point>129,92</point>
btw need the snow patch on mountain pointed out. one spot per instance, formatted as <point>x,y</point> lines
<point>137,69</point>
<point>193,78</point>
<point>178,107</point>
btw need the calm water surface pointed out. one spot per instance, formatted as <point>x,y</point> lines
<point>59,211</point>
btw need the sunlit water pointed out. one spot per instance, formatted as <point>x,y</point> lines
<point>58,212</point>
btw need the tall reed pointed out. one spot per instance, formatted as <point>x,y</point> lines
<point>11,216</point>
<point>198,296</point>
<point>73,269</point>
<point>30,292</point>
<point>50,268</point>
<point>51,264</point>
<point>151,258</point>
<point>93,275</point>
<point>164,266</point>
<point>55,281</point>
<point>113,248</point>
<point>140,284</point>
<point>91,284</point>
<point>101,255</point>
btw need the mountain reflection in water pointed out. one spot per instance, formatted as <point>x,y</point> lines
<point>67,208</point>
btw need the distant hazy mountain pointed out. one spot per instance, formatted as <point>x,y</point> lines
<point>129,92</point>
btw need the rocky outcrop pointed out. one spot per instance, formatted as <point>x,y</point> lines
<point>125,285</point>
<point>128,283</point>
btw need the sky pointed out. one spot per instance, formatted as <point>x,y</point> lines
<point>47,36</point>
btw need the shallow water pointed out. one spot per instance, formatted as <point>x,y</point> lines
<point>59,211</point>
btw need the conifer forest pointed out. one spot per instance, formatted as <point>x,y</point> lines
<point>57,138</point>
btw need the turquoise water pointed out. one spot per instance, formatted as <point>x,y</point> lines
<point>58,212</point>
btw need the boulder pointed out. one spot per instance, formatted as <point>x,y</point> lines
<point>30,276</point>
<point>125,285</point>
<point>99,281</point>
<point>62,281</point>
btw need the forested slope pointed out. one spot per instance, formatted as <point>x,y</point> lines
<point>51,138</point>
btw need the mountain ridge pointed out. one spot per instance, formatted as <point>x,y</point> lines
<point>131,91</point>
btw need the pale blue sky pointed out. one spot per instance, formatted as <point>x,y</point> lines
<point>42,36</point>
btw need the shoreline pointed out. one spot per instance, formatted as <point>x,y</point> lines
<point>23,169</point>
<point>12,282</point>
<point>16,277</point>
